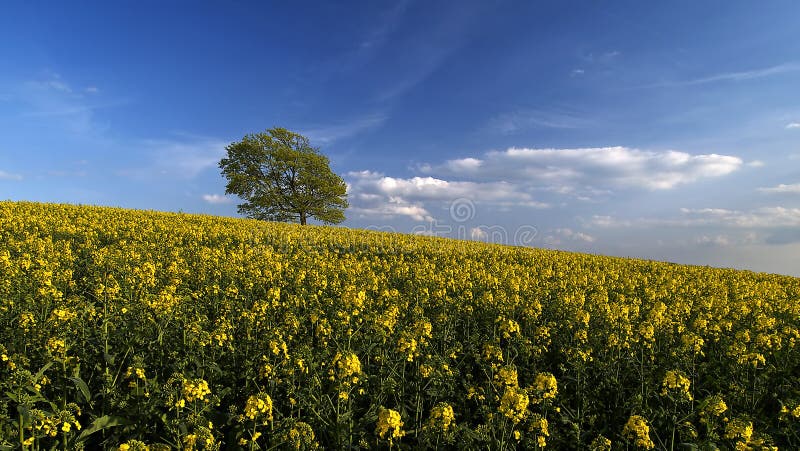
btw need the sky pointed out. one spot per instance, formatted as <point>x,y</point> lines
<point>658,130</point>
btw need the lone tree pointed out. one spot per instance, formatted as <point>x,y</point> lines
<point>282,178</point>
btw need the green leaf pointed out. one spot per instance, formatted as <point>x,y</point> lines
<point>39,374</point>
<point>87,395</point>
<point>102,423</point>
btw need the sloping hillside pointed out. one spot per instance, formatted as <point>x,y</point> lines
<point>124,329</point>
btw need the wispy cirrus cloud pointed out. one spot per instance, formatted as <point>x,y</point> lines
<point>10,176</point>
<point>328,134</point>
<point>56,104</point>
<point>184,157</point>
<point>509,123</point>
<point>734,76</point>
<point>782,188</point>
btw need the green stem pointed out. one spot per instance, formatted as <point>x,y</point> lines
<point>21,432</point>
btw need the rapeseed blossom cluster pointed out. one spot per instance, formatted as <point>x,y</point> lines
<point>514,404</point>
<point>638,432</point>
<point>545,387</point>
<point>195,390</point>
<point>442,417</point>
<point>390,425</point>
<point>259,407</point>
<point>676,384</point>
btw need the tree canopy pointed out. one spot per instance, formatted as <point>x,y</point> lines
<point>281,177</point>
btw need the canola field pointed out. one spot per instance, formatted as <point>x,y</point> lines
<point>138,330</point>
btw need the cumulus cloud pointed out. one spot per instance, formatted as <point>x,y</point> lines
<point>782,188</point>
<point>9,176</point>
<point>217,199</point>
<point>531,178</point>
<point>375,194</point>
<point>477,233</point>
<point>390,209</point>
<point>595,168</point>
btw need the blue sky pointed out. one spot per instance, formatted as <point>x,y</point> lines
<point>667,130</point>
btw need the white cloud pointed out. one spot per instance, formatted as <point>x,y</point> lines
<point>92,89</point>
<point>516,121</point>
<point>187,158</point>
<point>67,173</point>
<point>782,188</point>
<point>393,208</point>
<point>596,168</point>
<point>55,104</point>
<point>561,235</point>
<point>714,240</point>
<point>217,199</point>
<point>374,194</point>
<point>9,176</point>
<point>756,164</point>
<point>184,157</point>
<point>478,234</point>
<point>54,83</point>
<point>737,76</point>
<point>330,133</point>
<point>791,125</point>
<point>759,218</point>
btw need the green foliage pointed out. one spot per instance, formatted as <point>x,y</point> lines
<point>281,177</point>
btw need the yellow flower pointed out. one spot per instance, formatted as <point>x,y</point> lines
<point>677,384</point>
<point>712,407</point>
<point>259,406</point>
<point>57,346</point>
<point>442,417</point>
<point>638,431</point>
<point>514,404</point>
<point>507,376</point>
<point>739,428</point>
<point>508,327</point>
<point>347,365</point>
<point>389,419</point>
<point>195,389</point>
<point>545,386</point>
<point>600,443</point>
<point>408,346</point>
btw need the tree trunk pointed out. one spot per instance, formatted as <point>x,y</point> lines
<point>303,218</point>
